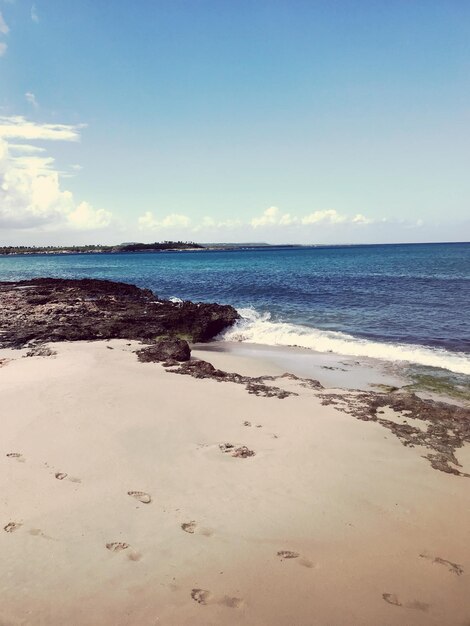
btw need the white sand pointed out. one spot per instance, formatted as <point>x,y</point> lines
<point>357,506</point>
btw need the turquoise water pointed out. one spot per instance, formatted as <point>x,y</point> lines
<point>408,302</point>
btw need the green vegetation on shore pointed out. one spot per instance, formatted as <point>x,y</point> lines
<point>98,249</point>
<point>441,383</point>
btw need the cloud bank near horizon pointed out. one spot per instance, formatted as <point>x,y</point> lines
<point>31,194</point>
<point>272,222</point>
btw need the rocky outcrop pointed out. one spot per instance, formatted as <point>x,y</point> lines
<point>48,309</point>
<point>172,349</point>
<point>258,386</point>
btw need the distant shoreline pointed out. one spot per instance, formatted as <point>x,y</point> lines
<point>6,251</point>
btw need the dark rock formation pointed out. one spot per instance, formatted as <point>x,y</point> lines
<point>254,385</point>
<point>172,349</point>
<point>42,350</point>
<point>49,309</point>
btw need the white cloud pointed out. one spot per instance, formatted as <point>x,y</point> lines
<point>273,217</point>
<point>34,164</point>
<point>3,48</point>
<point>25,148</point>
<point>34,14</point>
<point>361,219</point>
<point>31,98</point>
<point>329,216</point>
<point>18,127</point>
<point>174,220</point>
<point>84,216</point>
<point>3,26</point>
<point>269,216</point>
<point>287,220</point>
<point>31,195</point>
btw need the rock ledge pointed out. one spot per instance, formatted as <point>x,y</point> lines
<point>54,309</point>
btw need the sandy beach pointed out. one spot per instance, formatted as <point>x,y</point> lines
<point>123,502</point>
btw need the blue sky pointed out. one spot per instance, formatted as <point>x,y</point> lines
<point>308,122</point>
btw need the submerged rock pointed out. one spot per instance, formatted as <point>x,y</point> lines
<point>51,309</point>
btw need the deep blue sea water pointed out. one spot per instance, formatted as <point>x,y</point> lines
<point>396,302</point>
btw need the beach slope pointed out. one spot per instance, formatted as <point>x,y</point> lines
<point>132,495</point>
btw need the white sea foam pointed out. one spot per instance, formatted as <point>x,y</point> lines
<point>259,328</point>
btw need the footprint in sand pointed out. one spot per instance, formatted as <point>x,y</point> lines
<point>63,475</point>
<point>454,568</point>
<point>12,526</point>
<point>117,546</point>
<point>392,598</point>
<point>416,604</point>
<point>17,456</point>
<point>205,597</point>
<point>192,527</point>
<point>289,554</point>
<point>246,423</point>
<point>120,546</point>
<point>241,452</point>
<point>37,532</point>
<point>233,603</point>
<point>189,527</point>
<point>141,496</point>
<point>201,596</point>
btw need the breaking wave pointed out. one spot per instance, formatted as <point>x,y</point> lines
<point>259,328</point>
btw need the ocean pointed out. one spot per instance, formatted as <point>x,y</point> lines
<point>407,302</point>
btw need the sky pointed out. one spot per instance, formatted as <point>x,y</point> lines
<point>312,122</point>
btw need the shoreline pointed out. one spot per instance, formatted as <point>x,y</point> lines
<point>332,520</point>
<point>331,369</point>
<point>348,372</point>
<point>245,326</point>
<point>253,328</point>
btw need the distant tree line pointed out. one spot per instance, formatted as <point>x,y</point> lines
<point>163,245</point>
<point>125,247</point>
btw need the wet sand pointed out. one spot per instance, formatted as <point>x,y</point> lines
<point>125,502</point>
<point>331,370</point>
